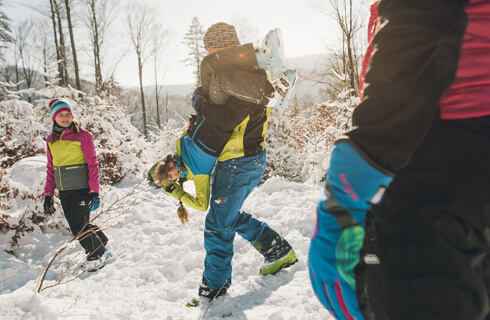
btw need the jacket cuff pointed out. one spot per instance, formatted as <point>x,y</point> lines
<point>178,192</point>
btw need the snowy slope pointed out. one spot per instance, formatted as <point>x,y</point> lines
<point>160,263</point>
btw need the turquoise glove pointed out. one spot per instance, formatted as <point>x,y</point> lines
<point>353,185</point>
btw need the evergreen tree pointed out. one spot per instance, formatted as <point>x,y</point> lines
<point>194,40</point>
<point>5,30</point>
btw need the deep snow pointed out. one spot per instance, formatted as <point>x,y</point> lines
<point>160,262</point>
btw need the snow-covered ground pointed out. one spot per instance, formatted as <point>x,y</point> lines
<point>160,262</point>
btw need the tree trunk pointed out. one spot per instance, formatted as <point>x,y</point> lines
<point>166,108</point>
<point>143,107</point>
<point>73,48</point>
<point>17,76</point>
<point>352,74</point>
<point>62,45</point>
<point>95,34</point>
<point>157,96</point>
<point>45,65</point>
<point>198,63</point>
<point>26,73</point>
<point>61,82</point>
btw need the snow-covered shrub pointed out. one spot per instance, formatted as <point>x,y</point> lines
<point>164,140</point>
<point>21,209</point>
<point>121,149</point>
<point>21,133</point>
<point>316,135</point>
<point>283,158</point>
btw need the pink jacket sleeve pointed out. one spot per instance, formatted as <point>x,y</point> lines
<point>374,25</point>
<point>88,149</point>
<point>50,184</point>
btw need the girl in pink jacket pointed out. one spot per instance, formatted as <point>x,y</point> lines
<point>73,169</point>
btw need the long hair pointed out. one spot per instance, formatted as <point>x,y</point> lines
<point>162,170</point>
<point>76,130</point>
<point>181,210</point>
<point>162,176</point>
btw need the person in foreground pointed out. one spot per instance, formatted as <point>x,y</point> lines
<point>421,137</point>
<point>73,169</point>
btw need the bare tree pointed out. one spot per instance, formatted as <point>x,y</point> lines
<point>141,20</point>
<point>349,17</point>
<point>97,16</point>
<point>45,53</point>
<point>73,47</point>
<point>56,42</point>
<point>7,69</point>
<point>194,40</point>
<point>43,45</point>
<point>159,41</point>
<point>59,41</point>
<point>246,30</point>
<point>16,59</point>
<point>25,39</point>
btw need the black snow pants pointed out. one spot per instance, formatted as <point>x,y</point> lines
<point>426,251</point>
<point>76,209</point>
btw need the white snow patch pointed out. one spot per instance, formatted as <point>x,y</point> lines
<point>159,263</point>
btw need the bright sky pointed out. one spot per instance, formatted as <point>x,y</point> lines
<point>305,31</point>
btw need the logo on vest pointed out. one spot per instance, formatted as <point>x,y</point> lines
<point>347,187</point>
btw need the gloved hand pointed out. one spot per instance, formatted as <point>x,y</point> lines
<point>48,205</point>
<point>198,99</point>
<point>95,201</point>
<point>352,186</point>
<point>149,177</point>
<point>172,188</point>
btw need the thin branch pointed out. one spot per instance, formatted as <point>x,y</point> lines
<point>124,203</point>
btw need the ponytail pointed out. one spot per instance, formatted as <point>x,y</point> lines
<point>76,127</point>
<point>181,210</point>
<point>52,137</point>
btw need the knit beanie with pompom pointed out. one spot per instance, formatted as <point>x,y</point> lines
<point>57,106</point>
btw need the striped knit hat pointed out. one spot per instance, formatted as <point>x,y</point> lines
<point>57,106</point>
<point>221,35</point>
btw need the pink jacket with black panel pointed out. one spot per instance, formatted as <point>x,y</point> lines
<point>72,163</point>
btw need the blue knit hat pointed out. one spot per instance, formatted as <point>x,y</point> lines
<point>57,106</point>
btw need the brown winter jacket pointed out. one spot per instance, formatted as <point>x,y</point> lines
<point>233,72</point>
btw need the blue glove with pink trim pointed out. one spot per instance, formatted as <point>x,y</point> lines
<point>94,202</point>
<point>353,186</point>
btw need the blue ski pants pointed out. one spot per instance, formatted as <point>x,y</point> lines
<point>233,181</point>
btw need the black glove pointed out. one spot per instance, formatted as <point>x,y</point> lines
<point>169,188</point>
<point>150,181</point>
<point>173,189</point>
<point>198,99</point>
<point>48,205</point>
